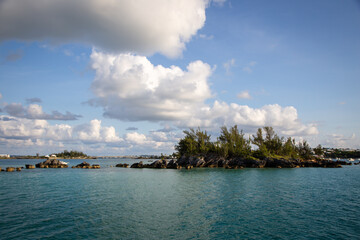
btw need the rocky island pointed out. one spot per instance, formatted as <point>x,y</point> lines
<point>233,151</point>
<point>51,163</point>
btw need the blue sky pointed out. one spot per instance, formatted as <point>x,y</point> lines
<point>112,78</point>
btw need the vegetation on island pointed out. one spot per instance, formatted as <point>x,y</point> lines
<point>71,154</point>
<point>233,143</point>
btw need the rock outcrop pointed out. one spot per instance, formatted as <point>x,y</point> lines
<point>216,161</point>
<point>86,165</point>
<point>29,166</point>
<point>123,165</point>
<point>138,165</point>
<point>51,163</point>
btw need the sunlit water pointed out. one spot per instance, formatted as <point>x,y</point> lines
<point>124,203</point>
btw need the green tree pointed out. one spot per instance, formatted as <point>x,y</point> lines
<point>289,148</point>
<point>233,142</point>
<point>272,141</point>
<point>194,142</point>
<point>258,140</point>
<point>319,150</point>
<point>304,150</point>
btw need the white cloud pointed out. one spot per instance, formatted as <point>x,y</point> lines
<point>68,53</point>
<point>283,119</point>
<point>228,65</point>
<point>249,67</point>
<point>140,26</point>
<point>94,132</point>
<point>34,111</point>
<point>19,132</point>
<point>219,2</point>
<point>244,95</point>
<point>129,87</point>
<point>206,37</point>
<point>341,141</point>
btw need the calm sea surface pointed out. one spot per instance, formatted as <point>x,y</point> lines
<point>120,203</point>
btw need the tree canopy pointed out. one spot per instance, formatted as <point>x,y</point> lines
<point>232,143</point>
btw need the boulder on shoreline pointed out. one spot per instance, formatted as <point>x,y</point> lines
<point>10,169</point>
<point>29,166</point>
<point>87,166</point>
<point>138,165</point>
<point>51,163</point>
<point>123,165</point>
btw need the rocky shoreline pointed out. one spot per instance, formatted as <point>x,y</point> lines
<point>208,161</point>
<point>213,161</point>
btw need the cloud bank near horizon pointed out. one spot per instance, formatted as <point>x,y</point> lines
<point>27,133</point>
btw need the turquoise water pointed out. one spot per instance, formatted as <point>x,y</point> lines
<point>120,203</point>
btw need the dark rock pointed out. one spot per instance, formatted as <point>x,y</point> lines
<point>51,163</point>
<point>246,162</point>
<point>320,163</point>
<point>254,163</point>
<point>213,160</point>
<point>18,169</point>
<point>281,163</point>
<point>138,165</point>
<point>173,164</point>
<point>162,163</point>
<point>343,162</point>
<point>86,165</point>
<point>124,165</point>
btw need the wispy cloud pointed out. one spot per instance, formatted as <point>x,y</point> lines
<point>340,140</point>
<point>14,56</point>
<point>207,37</point>
<point>228,65</point>
<point>219,2</point>
<point>34,111</point>
<point>68,53</point>
<point>249,67</point>
<point>132,129</point>
<point>33,100</point>
<point>244,95</point>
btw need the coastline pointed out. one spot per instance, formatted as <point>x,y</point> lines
<point>215,161</point>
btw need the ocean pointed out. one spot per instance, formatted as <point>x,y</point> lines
<point>125,203</point>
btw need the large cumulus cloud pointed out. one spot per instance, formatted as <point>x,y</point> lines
<point>140,26</point>
<point>130,87</point>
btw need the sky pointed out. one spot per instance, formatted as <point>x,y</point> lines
<point>128,77</point>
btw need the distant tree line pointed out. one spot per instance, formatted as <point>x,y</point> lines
<point>339,153</point>
<point>71,154</point>
<point>232,143</point>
